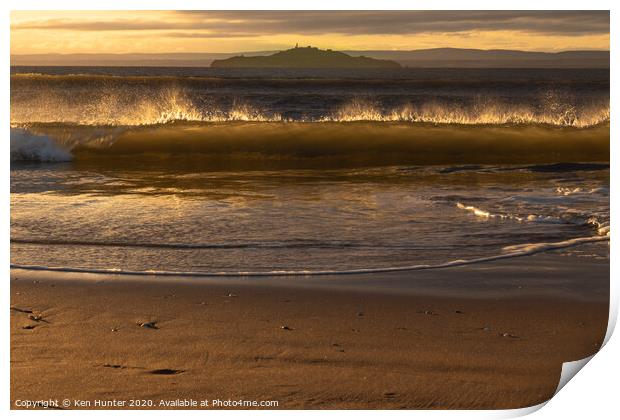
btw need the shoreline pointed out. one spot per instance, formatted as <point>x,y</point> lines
<point>523,251</point>
<point>492,335</point>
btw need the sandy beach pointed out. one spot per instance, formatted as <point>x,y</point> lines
<point>490,335</point>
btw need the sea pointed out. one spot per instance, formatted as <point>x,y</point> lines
<point>262,172</point>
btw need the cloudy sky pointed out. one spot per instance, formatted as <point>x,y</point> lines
<point>236,31</point>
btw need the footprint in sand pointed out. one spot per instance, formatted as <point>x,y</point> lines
<point>165,371</point>
<point>25,311</point>
<point>109,365</point>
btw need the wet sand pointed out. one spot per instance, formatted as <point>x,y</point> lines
<point>491,335</point>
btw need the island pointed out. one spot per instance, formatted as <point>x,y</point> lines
<point>304,57</point>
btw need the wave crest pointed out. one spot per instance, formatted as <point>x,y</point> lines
<point>139,106</point>
<point>119,108</point>
<point>326,143</point>
<point>486,113</point>
<point>26,146</point>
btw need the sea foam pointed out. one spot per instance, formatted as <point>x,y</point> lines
<point>26,146</point>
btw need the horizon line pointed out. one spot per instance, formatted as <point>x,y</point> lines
<point>277,50</point>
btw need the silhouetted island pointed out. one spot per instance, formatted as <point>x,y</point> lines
<point>308,57</point>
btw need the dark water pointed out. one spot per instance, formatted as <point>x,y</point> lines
<point>421,74</point>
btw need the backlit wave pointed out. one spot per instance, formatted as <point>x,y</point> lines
<point>328,143</point>
<point>119,107</point>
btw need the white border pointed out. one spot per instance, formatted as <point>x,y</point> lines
<point>592,394</point>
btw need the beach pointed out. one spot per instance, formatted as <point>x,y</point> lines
<point>483,336</point>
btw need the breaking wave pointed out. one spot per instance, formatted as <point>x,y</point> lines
<point>167,116</point>
<point>172,105</point>
<point>26,146</point>
<point>485,113</point>
<point>120,109</point>
<point>134,101</point>
<point>329,142</point>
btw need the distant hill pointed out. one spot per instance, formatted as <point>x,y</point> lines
<point>437,57</point>
<point>458,58</point>
<point>305,57</point>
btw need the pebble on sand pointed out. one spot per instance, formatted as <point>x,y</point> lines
<point>36,317</point>
<point>508,335</point>
<point>427,312</point>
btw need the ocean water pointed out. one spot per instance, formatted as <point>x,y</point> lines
<point>217,172</point>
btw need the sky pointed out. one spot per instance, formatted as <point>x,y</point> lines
<point>90,31</point>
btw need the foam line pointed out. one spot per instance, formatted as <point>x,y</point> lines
<point>32,147</point>
<point>523,250</point>
<point>247,245</point>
